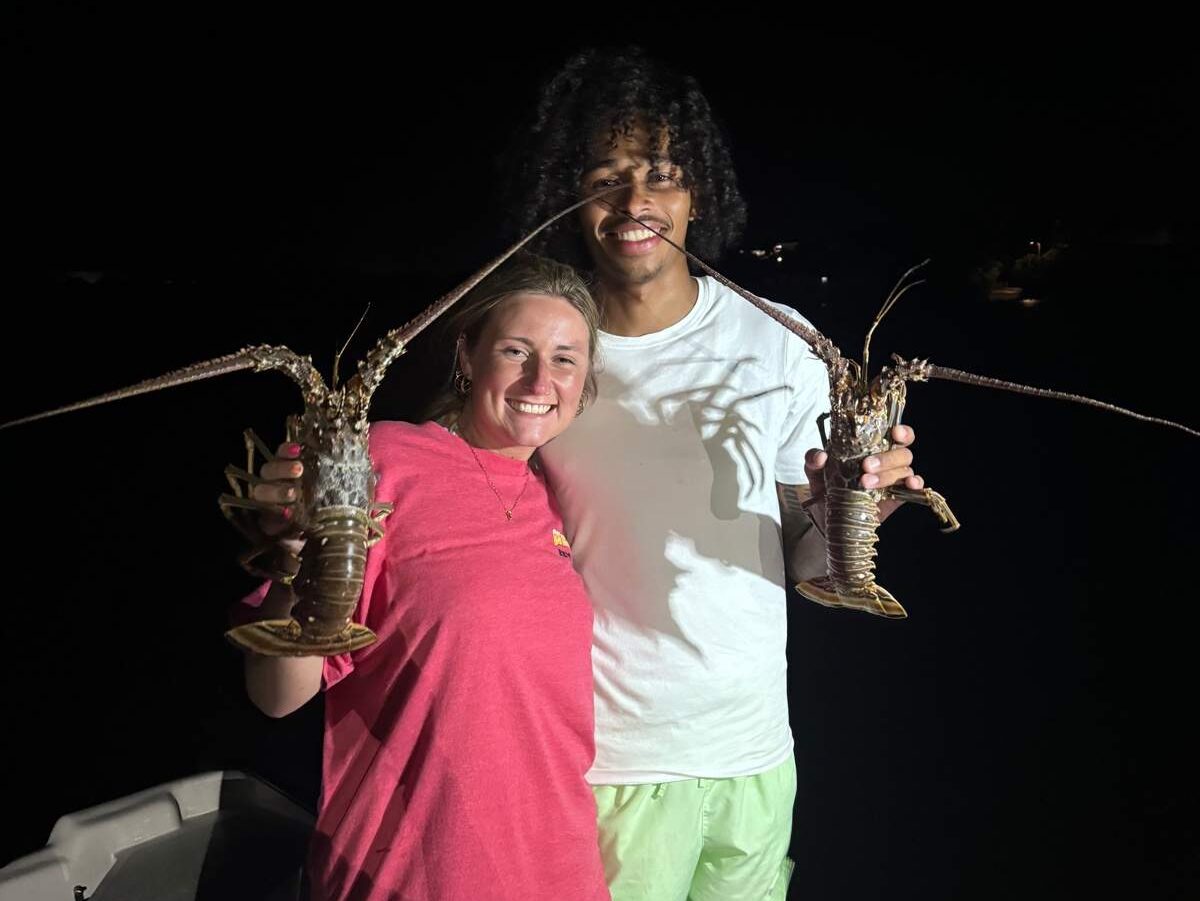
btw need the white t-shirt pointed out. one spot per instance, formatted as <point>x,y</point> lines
<point>667,489</point>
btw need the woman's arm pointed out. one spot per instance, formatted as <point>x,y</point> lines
<point>280,685</point>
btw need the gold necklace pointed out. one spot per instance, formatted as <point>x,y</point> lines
<point>508,511</point>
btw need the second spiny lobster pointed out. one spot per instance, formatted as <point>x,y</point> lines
<point>862,412</point>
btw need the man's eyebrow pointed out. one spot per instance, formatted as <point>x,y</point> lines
<point>663,161</point>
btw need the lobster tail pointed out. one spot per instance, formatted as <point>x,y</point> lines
<point>328,587</point>
<point>880,602</point>
<point>339,518</point>
<point>850,535</point>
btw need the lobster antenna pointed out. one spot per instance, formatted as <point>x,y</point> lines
<point>896,293</point>
<point>970,378</point>
<point>264,357</point>
<point>243,359</point>
<point>337,358</point>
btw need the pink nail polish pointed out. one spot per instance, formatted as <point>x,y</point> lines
<point>293,450</point>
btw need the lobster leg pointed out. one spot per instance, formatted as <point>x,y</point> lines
<point>270,561</point>
<point>266,558</point>
<point>375,519</point>
<point>237,502</point>
<point>236,476</point>
<point>241,482</point>
<point>235,506</point>
<point>931,499</point>
<point>812,501</point>
<point>821,428</point>
<point>253,443</point>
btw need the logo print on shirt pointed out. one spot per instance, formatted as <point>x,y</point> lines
<point>560,542</point>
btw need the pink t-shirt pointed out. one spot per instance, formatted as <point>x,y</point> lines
<point>456,745</point>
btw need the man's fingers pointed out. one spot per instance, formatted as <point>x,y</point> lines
<point>887,477</point>
<point>814,461</point>
<point>896,458</point>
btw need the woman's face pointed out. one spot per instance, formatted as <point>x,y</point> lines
<point>528,370</point>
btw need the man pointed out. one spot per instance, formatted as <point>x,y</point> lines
<point>681,489</point>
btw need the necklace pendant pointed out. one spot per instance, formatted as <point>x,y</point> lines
<point>508,511</point>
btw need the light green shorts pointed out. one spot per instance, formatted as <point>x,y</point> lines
<point>699,839</point>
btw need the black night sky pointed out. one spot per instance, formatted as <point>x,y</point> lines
<point>181,188</point>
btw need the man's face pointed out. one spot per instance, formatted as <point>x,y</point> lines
<point>624,252</point>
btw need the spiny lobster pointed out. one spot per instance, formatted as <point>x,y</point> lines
<point>336,511</point>
<point>862,412</point>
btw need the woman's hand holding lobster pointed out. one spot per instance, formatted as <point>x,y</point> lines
<point>279,685</point>
<point>280,485</point>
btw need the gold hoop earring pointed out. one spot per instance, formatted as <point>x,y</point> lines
<point>582,404</point>
<point>462,384</point>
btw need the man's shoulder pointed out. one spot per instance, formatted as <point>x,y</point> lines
<point>728,304</point>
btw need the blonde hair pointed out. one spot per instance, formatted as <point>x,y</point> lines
<point>526,273</point>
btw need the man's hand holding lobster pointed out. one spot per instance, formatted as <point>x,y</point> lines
<point>892,467</point>
<point>802,506</point>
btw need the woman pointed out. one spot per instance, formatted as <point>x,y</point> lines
<point>456,745</point>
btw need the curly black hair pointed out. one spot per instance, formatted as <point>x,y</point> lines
<point>606,91</point>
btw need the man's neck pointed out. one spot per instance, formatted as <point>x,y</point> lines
<point>633,310</point>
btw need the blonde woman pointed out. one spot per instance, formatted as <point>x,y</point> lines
<point>455,747</point>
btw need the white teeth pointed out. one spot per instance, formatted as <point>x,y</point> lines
<point>637,234</point>
<point>539,409</point>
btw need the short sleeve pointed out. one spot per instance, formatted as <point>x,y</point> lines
<point>808,381</point>
<point>245,611</point>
